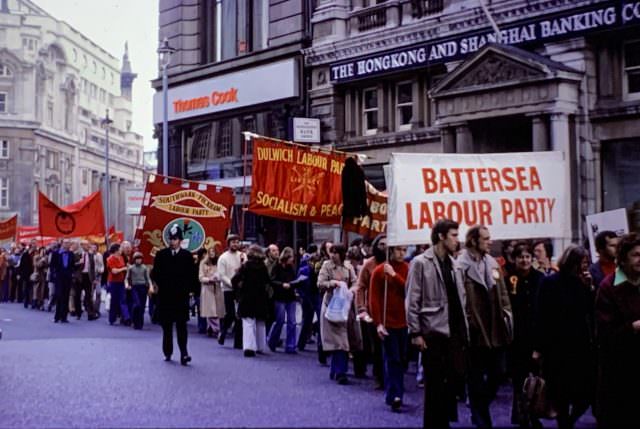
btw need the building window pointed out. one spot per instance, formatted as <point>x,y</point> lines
<point>370,111</point>
<point>404,105</point>
<point>3,102</point>
<point>420,8</point>
<point>4,192</point>
<point>75,55</point>
<point>225,141</point>
<point>248,124</point>
<point>242,27</point>
<point>4,149</point>
<point>84,176</point>
<point>632,69</point>
<point>52,160</point>
<point>5,70</point>
<point>200,146</point>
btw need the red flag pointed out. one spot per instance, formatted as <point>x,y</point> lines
<point>81,218</point>
<point>8,228</point>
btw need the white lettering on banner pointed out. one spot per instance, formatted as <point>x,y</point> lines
<point>515,195</point>
<point>630,12</point>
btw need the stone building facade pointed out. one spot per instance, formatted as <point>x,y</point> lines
<point>245,56</point>
<point>435,76</point>
<point>55,88</point>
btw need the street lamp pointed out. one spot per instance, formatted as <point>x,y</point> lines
<point>106,123</point>
<point>164,53</point>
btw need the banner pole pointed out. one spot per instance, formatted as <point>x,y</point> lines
<point>247,139</point>
<point>386,284</point>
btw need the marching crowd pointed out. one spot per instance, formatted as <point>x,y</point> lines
<point>570,331</point>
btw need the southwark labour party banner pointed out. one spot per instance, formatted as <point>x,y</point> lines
<point>295,182</point>
<point>202,211</point>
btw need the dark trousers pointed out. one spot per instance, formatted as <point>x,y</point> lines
<point>4,294</point>
<point>484,375</point>
<point>139,296</point>
<point>394,349</point>
<point>441,383</point>
<point>152,308</point>
<point>84,285</point>
<point>339,363</point>
<point>118,303</point>
<point>202,321</point>
<point>371,353</point>
<point>309,306</point>
<point>63,290</point>
<point>229,319</point>
<point>167,337</point>
<point>14,288</point>
<point>27,290</point>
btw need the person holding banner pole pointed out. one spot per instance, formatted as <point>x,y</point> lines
<point>371,342</point>
<point>386,299</point>
<point>490,322</point>
<point>437,323</point>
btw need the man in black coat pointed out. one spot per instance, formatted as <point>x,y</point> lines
<point>25,269</point>
<point>62,264</point>
<point>174,273</point>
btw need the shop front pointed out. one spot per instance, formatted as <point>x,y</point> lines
<point>206,121</point>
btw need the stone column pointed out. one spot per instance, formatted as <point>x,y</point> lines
<point>539,133</point>
<point>561,142</point>
<point>448,139</point>
<point>464,139</point>
<point>596,148</point>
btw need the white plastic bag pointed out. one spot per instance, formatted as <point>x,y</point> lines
<point>339,305</point>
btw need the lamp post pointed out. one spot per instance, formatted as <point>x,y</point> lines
<point>106,123</point>
<point>164,53</point>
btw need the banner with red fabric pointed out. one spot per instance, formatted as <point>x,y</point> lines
<point>8,228</point>
<point>27,233</point>
<point>202,212</point>
<point>375,222</point>
<point>82,218</point>
<point>296,182</point>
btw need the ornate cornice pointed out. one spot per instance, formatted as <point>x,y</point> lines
<point>432,27</point>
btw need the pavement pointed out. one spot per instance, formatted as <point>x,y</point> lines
<point>90,374</point>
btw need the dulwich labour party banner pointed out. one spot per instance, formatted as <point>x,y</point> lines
<point>202,211</point>
<point>295,182</point>
<point>516,195</point>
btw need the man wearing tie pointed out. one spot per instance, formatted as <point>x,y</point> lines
<point>87,275</point>
<point>175,275</point>
<point>63,264</point>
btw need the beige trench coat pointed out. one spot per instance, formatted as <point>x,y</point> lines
<point>338,336</point>
<point>211,295</point>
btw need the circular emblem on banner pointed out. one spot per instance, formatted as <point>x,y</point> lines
<point>65,223</point>
<point>192,232</point>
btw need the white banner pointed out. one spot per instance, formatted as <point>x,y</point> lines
<point>516,195</point>
<point>612,220</point>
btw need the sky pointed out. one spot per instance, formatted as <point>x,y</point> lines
<point>109,23</point>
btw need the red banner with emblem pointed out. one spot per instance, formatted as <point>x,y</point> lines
<point>82,218</point>
<point>202,211</point>
<point>296,182</point>
<point>375,222</point>
<point>8,228</point>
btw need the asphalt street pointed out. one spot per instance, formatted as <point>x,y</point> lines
<point>90,374</point>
